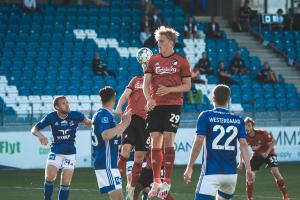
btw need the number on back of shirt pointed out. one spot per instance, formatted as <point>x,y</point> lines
<point>174,118</point>
<point>221,130</point>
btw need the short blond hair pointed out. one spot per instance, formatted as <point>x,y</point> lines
<point>170,33</point>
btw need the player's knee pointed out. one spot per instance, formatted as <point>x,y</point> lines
<point>51,176</point>
<point>66,177</point>
<point>126,150</point>
<point>138,157</point>
<point>169,139</point>
<point>66,180</point>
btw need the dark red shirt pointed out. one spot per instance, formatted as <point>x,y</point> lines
<point>136,100</point>
<point>167,71</point>
<point>260,142</point>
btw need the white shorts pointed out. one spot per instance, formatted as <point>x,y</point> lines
<point>61,161</point>
<point>211,185</point>
<point>108,180</point>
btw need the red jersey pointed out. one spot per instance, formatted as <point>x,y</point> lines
<point>260,142</point>
<point>137,100</point>
<point>167,71</point>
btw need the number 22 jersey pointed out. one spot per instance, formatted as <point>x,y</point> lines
<point>222,131</point>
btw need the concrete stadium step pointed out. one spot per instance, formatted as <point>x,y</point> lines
<point>255,48</point>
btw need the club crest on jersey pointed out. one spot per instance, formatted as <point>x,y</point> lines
<point>104,120</point>
<point>71,123</point>
<point>64,123</point>
<point>56,124</point>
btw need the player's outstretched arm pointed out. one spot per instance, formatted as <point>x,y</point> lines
<point>122,101</point>
<point>245,155</point>
<point>184,87</point>
<point>87,122</point>
<point>36,132</point>
<point>197,145</point>
<point>119,129</point>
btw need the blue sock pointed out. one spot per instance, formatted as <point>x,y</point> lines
<point>48,189</point>
<point>63,192</point>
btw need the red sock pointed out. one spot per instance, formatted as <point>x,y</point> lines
<point>156,161</point>
<point>122,165</point>
<point>249,190</point>
<point>169,158</point>
<point>148,160</point>
<point>136,172</point>
<point>282,187</point>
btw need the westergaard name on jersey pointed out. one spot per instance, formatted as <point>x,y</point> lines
<point>224,120</point>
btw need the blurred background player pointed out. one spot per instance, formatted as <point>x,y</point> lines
<point>105,140</point>
<point>219,130</point>
<point>135,135</point>
<point>166,78</point>
<point>64,124</point>
<point>262,143</point>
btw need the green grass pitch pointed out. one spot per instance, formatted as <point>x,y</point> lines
<point>28,184</point>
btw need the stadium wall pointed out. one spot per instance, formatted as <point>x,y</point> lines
<point>22,150</point>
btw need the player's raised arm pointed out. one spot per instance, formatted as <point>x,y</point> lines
<point>87,122</point>
<point>119,129</point>
<point>122,101</point>
<point>197,145</point>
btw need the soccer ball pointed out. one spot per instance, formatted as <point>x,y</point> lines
<point>143,55</point>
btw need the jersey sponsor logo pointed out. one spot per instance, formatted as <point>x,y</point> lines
<point>138,85</point>
<point>104,120</point>
<point>65,134</point>
<point>165,70</point>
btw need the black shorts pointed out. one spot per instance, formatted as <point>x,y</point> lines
<point>164,118</point>
<point>257,161</point>
<point>136,134</point>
